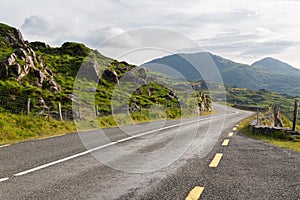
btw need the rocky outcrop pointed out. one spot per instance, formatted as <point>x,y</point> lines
<point>111,76</point>
<point>142,72</point>
<point>12,35</point>
<point>90,71</point>
<point>204,103</point>
<point>24,62</point>
<point>137,75</point>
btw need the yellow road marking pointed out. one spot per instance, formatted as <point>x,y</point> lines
<point>225,142</point>
<point>234,129</point>
<point>195,193</point>
<point>216,160</point>
<point>230,134</point>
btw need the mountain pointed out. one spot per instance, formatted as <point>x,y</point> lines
<point>271,64</point>
<point>269,74</point>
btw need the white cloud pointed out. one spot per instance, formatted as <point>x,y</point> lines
<point>235,27</point>
<point>58,30</point>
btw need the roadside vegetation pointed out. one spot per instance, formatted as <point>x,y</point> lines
<point>16,128</point>
<point>279,138</point>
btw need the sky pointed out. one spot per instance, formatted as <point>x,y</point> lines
<point>244,31</point>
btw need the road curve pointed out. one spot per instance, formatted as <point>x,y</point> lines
<point>85,177</point>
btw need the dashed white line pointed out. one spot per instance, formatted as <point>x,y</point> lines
<point>5,145</point>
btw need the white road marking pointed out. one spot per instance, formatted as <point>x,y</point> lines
<point>3,179</point>
<point>107,145</point>
<point>5,145</point>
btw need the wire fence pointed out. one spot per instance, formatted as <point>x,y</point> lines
<point>290,115</point>
<point>37,106</point>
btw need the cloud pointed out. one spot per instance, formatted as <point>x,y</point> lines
<point>259,42</point>
<point>58,30</point>
<point>36,25</point>
<point>229,27</point>
<point>266,48</point>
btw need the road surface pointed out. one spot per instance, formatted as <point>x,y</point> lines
<point>227,165</point>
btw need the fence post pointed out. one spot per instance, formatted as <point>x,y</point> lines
<point>59,111</point>
<point>295,114</point>
<point>96,109</point>
<point>48,113</point>
<point>141,110</point>
<point>28,106</point>
<point>79,112</point>
<point>256,115</point>
<point>276,110</point>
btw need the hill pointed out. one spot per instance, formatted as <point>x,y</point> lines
<point>272,64</point>
<point>47,75</point>
<point>269,74</point>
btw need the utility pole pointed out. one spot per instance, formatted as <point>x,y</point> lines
<point>295,114</point>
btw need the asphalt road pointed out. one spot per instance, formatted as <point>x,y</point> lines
<point>160,160</point>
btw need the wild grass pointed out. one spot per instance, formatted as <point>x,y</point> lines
<point>278,138</point>
<point>16,128</point>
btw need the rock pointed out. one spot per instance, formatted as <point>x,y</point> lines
<point>140,81</point>
<point>134,107</point>
<point>13,36</point>
<point>48,70</point>
<point>142,72</point>
<point>41,103</point>
<point>122,69</point>
<point>171,93</point>
<point>90,71</point>
<point>11,59</point>
<point>39,45</point>
<point>129,77</point>
<point>139,91</point>
<point>24,62</point>
<point>92,89</point>
<point>169,97</point>
<point>16,69</point>
<point>204,103</point>
<point>53,86</point>
<point>110,75</point>
<point>4,71</point>
<point>40,75</point>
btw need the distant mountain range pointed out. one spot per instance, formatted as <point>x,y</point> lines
<point>268,73</point>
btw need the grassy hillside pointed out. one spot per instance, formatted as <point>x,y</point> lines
<point>47,76</point>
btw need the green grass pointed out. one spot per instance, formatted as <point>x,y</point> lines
<point>278,139</point>
<point>16,128</point>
